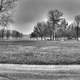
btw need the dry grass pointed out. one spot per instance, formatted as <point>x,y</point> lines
<point>40,52</point>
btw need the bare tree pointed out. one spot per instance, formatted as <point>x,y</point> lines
<point>54,18</point>
<point>77,19</point>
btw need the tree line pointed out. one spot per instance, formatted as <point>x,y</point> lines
<point>10,34</point>
<point>57,27</point>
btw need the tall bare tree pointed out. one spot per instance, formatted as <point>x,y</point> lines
<point>77,19</point>
<point>54,18</point>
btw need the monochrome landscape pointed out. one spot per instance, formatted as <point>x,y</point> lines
<point>39,40</point>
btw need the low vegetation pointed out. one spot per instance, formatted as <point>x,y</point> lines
<point>40,52</point>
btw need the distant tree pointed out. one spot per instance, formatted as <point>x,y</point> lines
<point>54,18</point>
<point>71,26</point>
<point>40,29</point>
<point>16,34</point>
<point>71,30</point>
<point>45,29</point>
<point>1,33</point>
<point>63,24</point>
<point>77,19</point>
<point>49,30</point>
<point>61,31</point>
<point>19,35</point>
<point>7,34</point>
<point>33,35</point>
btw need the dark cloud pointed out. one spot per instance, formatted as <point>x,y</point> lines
<point>31,11</point>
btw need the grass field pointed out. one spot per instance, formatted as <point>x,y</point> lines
<point>40,52</point>
<point>29,72</point>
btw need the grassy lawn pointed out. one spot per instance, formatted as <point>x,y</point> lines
<point>40,52</point>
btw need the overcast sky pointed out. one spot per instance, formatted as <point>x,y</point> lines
<point>29,12</point>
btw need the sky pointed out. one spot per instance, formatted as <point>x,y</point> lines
<point>29,12</point>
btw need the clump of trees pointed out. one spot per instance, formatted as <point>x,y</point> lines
<point>16,34</point>
<point>7,8</point>
<point>57,27</point>
<point>10,34</point>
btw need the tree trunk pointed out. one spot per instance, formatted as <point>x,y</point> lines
<point>54,36</point>
<point>77,31</point>
<point>50,37</point>
<point>5,31</point>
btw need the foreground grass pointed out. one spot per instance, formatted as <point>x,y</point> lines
<point>40,52</point>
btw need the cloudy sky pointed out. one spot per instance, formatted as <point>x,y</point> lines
<point>29,12</point>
